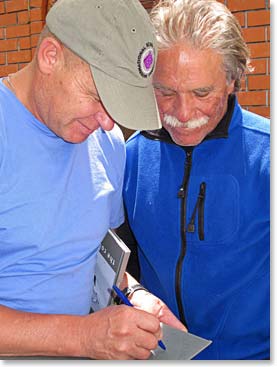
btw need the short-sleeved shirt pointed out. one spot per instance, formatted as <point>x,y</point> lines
<point>57,201</point>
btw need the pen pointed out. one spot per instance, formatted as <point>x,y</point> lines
<point>125,300</point>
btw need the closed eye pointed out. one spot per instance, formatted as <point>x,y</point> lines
<point>165,92</point>
<point>201,93</point>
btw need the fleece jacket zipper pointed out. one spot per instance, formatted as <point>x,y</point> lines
<point>182,195</point>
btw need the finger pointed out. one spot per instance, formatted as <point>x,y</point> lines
<point>148,322</point>
<point>167,317</point>
<point>142,354</point>
<point>147,340</point>
<point>138,346</point>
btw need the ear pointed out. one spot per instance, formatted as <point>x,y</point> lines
<point>49,55</point>
<point>231,87</point>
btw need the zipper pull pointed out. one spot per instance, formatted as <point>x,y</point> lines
<point>198,205</point>
<point>191,225</point>
<point>181,193</point>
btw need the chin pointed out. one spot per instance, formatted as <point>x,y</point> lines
<point>186,140</point>
<point>75,139</point>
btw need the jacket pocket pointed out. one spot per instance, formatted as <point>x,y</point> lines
<point>213,209</point>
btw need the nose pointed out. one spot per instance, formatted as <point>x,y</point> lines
<point>184,107</point>
<point>104,120</point>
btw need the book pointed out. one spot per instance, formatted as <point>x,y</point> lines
<point>179,345</point>
<point>111,264</point>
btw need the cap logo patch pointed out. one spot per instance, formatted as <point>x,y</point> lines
<point>146,60</point>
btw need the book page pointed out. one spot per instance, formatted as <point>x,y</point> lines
<point>179,345</point>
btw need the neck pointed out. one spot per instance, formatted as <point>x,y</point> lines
<point>9,83</point>
<point>20,83</point>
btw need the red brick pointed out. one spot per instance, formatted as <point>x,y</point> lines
<point>2,58</point>
<point>18,31</point>
<point>8,69</point>
<point>259,66</point>
<point>253,98</point>
<point>259,17</point>
<point>23,17</point>
<point>36,27</point>
<point>235,5</point>
<point>7,19</point>
<point>37,3</point>
<point>242,84</point>
<point>258,50</point>
<point>16,5</point>
<point>254,34</point>
<point>2,33</point>
<point>36,14</point>
<point>261,110</point>
<point>241,18</point>
<point>8,45</point>
<point>19,56</point>
<point>256,82</point>
<point>268,31</point>
<point>24,43</point>
<point>148,4</point>
<point>2,7</point>
<point>34,40</point>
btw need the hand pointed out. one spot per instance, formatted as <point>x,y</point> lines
<point>119,332</point>
<point>148,302</point>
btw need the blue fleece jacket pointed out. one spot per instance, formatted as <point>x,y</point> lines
<point>201,220</point>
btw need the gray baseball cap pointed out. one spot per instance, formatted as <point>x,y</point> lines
<point>116,38</point>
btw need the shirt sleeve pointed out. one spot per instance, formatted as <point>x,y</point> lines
<point>117,212</point>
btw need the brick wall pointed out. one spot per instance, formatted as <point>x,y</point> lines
<point>22,20</point>
<point>20,23</point>
<point>254,18</point>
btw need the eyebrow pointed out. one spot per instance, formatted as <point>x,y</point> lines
<point>160,86</point>
<point>200,89</point>
<point>204,89</point>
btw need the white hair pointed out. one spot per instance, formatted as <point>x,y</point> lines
<point>205,24</point>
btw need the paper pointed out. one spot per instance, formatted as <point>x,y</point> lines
<point>179,345</point>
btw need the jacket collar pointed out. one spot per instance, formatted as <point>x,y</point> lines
<point>221,130</point>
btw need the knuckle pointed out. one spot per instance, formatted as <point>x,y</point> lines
<point>123,347</point>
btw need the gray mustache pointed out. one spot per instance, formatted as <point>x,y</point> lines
<point>174,122</point>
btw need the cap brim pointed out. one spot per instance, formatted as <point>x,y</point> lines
<point>130,106</point>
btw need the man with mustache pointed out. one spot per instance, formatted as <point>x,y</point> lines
<point>197,191</point>
<point>62,163</point>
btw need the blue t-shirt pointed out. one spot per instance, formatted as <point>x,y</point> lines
<point>57,201</point>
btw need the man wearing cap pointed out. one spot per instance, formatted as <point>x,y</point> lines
<point>61,166</point>
<point>197,191</point>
